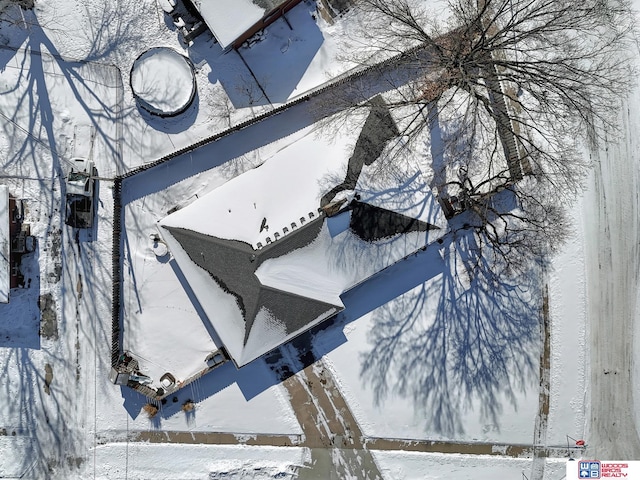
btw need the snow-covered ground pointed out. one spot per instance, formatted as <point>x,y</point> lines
<point>568,317</point>
<point>413,466</point>
<point>402,356</point>
<point>117,461</point>
<point>612,239</point>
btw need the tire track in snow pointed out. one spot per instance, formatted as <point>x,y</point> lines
<point>611,214</point>
<point>330,429</point>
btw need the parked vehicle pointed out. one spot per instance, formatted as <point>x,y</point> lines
<point>80,193</point>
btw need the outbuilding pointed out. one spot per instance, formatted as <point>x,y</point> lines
<point>233,21</point>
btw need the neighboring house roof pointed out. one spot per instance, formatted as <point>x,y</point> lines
<point>5,245</point>
<point>266,265</point>
<point>229,19</point>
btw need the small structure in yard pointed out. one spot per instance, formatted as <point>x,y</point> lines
<point>232,22</point>
<point>163,82</point>
<point>127,372</point>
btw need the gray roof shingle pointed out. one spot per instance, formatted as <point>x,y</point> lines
<point>232,264</point>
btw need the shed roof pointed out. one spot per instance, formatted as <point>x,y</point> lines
<point>229,19</point>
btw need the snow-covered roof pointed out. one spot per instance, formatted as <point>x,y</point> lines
<point>332,264</point>
<point>266,205</point>
<point>228,19</point>
<point>5,243</point>
<point>265,265</point>
<point>250,318</point>
<point>232,230</point>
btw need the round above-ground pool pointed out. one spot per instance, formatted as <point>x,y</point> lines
<point>163,82</point>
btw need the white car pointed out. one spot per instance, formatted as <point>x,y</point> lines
<point>80,192</point>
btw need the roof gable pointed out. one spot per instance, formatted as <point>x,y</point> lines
<point>232,265</point>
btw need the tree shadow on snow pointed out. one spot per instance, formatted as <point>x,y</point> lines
<point>20,318</point>
<point>44,389</point>
<point>215,154</point>
<point>388,283</point>
<point>36,73</point>
<point>268,71</point>
<point>478,350</point>
<point>38,413</point>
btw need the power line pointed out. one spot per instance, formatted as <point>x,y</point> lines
<point>48,147</point>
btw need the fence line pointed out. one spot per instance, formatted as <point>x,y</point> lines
<point>117,320</point>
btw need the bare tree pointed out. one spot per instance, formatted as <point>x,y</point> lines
<point>4,4</point>
<point>500,90</point>
<point>551,59</point>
